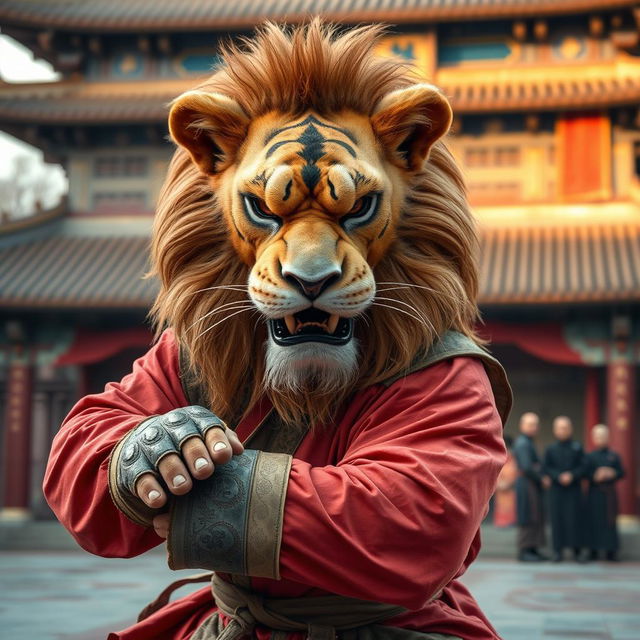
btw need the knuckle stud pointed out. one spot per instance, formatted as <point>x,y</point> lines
<point>151,434</point>
<point>130,453</point>
<point>198,411</point>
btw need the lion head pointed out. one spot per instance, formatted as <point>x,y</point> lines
<point>313,235</point>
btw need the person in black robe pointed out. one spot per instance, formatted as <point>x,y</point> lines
<point>564,464</point>
<point>529,506</point>
<point>603,468</point>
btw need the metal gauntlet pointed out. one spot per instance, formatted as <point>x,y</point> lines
<point>142,449</point>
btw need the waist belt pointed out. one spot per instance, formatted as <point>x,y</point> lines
<point>319,616</point>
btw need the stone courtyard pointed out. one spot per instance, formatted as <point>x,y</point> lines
<point>71,595</point>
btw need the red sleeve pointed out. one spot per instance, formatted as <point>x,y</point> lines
<point>76,483</point>
<point>393,521</point>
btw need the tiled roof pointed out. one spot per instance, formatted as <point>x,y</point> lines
<point>470,90</point>
<point>582,86</point>
<point>543,264</point>
<point>574,263</point>
<point>98,102</point>
<point>62,271</point>
<point>128,15</point>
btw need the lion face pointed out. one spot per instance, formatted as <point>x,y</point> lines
<point>312,203</point>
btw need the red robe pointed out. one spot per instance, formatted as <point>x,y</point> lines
<point>385,506</point>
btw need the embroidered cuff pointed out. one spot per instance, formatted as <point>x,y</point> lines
<point>232,522</point>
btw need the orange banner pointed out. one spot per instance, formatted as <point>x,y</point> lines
<point>584,157</point>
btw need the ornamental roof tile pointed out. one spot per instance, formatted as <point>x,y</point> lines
<point>578,263</point>
<point>125,15</point>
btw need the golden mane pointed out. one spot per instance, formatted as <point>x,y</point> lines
<point>311,67</point>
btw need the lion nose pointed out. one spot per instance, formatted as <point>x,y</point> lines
<point>311,287</point>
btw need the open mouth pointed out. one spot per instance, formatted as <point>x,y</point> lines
<point>311,325</point>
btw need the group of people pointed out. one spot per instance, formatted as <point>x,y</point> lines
<point>581,490</point>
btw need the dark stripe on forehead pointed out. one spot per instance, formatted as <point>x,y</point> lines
<point>311,120</point>
<point>312,150</point>
<point>311,176</point>
<point>261,179</point>
<point>312,142</point>
<point>343,144</point>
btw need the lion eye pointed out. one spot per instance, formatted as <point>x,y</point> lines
<point>357,207</point>
<point>259,214</point>
<point>362,212</point>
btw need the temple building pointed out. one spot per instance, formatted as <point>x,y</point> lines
<point>546,97</point>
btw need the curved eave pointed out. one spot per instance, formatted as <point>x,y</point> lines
<point>557,254</point>
<point>62,304</point>
<point>581,85</point>
<point>478,89</point>
<point>198,15</point>
<point>551,300</point>
<point>35,221</point>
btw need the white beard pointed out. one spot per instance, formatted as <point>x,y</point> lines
<point>312,366</point>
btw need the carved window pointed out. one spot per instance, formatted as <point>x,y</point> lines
<point>120,166</point>
<point>120,200</point>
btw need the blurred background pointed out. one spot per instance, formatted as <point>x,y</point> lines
<point>547,129</point>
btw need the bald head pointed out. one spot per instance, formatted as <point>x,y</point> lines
<point>600,436</point>
<point>529,424</point>
<point>562,428</point>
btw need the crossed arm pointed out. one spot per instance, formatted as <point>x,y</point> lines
<point>401,506</point>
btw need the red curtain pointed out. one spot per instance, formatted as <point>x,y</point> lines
<point>94,346</point>
<point>545,340</point>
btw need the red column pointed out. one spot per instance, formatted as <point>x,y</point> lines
<point>591,406</point>
<point>621,394</point>
<point>16,466</point>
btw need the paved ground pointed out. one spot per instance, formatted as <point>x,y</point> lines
<point>75,596</point>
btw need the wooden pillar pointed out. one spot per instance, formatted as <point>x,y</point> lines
<point>16,466</point>
<point>591,406</point>
<point>621,394</point>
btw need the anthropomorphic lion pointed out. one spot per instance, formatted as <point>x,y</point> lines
<point>316,423</point>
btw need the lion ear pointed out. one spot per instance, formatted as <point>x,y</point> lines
<point>210,126</point>
<point>409,121</point>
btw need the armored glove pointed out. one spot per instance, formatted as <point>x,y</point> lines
<point>141,450</point>
<point>159,436</point>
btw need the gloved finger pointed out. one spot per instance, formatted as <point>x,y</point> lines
<point>148,489</point>
<point>205,419</point>
<point>155,442</point>
<point>175,474</point>
<point>180,426</point>
<point>196,456</point>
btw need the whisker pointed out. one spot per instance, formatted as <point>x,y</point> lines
<point>405,304</point>
<point>215,324</point>
<point>411,315</point>
<point>404,285</point>
<point>228,287</point>
<point>409,284</point>
<point>362,316</point>
<point>216,311</point>
<point>222,307</point>
<point>391,289</point>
